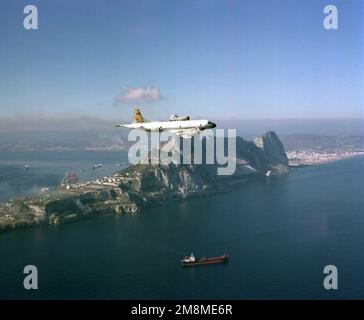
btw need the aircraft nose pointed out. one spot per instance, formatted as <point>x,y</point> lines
<point>212,125</point>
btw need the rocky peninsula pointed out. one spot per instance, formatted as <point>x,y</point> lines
<point>140,186</point>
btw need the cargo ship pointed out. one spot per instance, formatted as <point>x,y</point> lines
<point>190,261</point>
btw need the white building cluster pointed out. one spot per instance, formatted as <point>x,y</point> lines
<point>111,181</point>
<point>310,157</point>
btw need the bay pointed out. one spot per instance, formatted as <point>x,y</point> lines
<point>280,233</point>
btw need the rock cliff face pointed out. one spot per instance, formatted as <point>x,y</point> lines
<point>265,153</point>
<point>273,148</point>
<point>143,185</point>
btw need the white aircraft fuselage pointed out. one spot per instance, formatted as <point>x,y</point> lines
<point>185,128</point>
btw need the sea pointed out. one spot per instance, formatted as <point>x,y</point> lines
<point>280,233</point>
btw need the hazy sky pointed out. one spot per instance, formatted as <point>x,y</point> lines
<point>223,58</point>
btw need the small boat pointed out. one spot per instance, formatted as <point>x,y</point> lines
<point>190,261</point>
<point>97,166</point>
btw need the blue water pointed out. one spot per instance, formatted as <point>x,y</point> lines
<point>280,233</point>
<point>47,168</point>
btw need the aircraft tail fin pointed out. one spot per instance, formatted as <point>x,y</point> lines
<point>137,117</point>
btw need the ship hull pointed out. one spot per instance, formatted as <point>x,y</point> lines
<point>205,261</point>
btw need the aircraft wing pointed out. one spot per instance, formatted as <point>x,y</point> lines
<point>185,133</point>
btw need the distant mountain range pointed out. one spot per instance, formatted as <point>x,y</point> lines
<point>323,143</point>
<point>245,127</point>
<point>95,134</point>
<point>63,140</point>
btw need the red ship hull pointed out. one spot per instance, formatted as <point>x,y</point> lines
<point>203,261</point>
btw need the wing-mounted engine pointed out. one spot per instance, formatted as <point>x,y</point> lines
<point>175,117</point>
<point>152,129</point>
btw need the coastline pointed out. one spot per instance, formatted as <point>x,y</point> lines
<point>140,186</point>
<point>305,158</point>
<point>135,203</point>
<point>109,204</point>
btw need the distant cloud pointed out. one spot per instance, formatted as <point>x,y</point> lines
<point>142,94</point>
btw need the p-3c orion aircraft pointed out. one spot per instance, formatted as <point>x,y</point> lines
<point>182,126</point>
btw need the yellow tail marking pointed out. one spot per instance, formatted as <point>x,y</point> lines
<point>138,116</point>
